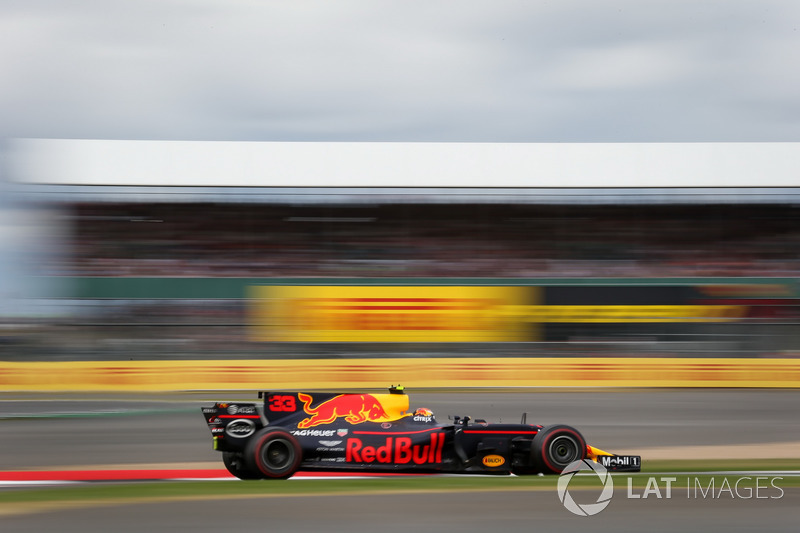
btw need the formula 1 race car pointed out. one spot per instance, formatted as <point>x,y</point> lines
<point>377,432</point>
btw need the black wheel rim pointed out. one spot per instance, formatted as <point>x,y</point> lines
<point>278,454</point>
<point>563,450</point>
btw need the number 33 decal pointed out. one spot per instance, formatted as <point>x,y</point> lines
<point>282,403</point>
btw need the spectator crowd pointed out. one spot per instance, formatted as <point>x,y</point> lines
<point>520,241</point>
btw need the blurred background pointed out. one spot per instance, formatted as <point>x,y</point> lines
<point>149,273</point>
<point>672,255</point>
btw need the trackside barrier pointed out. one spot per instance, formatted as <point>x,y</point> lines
<point>154,376</point>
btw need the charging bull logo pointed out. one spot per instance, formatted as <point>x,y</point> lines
<point>355,408</point>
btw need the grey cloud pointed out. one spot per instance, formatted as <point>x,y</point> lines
<point>401,71</point>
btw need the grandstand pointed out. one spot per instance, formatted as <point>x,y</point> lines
<point>428,240</point>
<point>163,241</point>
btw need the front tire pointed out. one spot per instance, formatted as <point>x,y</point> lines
<point>554,447</point>
<point>237,466</point>
<point>274,452</point>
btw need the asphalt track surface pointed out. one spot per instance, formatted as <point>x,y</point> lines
<point>440,512</point>
<point>47,432</point>
<point>42,432</point>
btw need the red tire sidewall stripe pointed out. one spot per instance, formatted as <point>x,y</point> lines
<point>295,446</point>
<point>578,439</point>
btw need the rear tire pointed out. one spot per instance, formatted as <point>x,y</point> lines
<point>274,452</point>
<point>554,447</point>
<point>237,466</point>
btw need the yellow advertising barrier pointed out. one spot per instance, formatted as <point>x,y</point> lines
<point>632,313</point>
<point>144,376</point>
<point>345,313</point>
<point>351,313</point>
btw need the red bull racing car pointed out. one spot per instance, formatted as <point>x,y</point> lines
<point>294,431</point>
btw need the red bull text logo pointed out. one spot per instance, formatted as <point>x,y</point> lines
<point>355,408</point>
<point>396,450</point>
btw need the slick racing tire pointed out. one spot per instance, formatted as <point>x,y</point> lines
<point>274,452</point>
<point>237,466</point>
<point>554,447</point>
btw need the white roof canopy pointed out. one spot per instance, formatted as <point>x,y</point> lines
<point>403,165</point>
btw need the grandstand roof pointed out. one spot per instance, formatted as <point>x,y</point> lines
<point>306,172</point>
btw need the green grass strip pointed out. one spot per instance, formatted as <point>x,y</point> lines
<point>181,490</point>
<point>166,490</point>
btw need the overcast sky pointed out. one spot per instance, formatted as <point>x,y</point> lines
<point>498,71</point>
